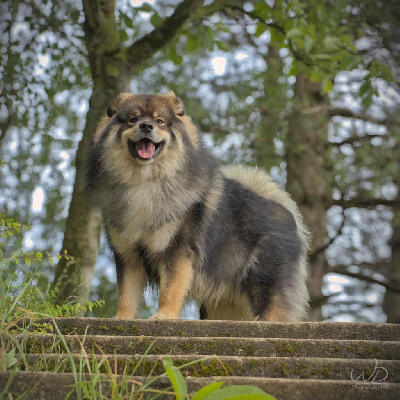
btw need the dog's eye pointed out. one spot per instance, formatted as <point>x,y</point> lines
<point>133,120</point>
<point>160,121</point>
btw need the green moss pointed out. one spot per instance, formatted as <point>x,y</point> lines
<point>186,346</point>
<point>285,349</point>
<point>301,370</point>
<point>326,372</point>
<point>134,329</point>
<point>103,328</point>
<point>210,368</point>
<point>120,328</point>
<point>225,334</point>
<point>251,350</point>
<point>337,348</point>
<point>68,329</point>
<point>283,369</point>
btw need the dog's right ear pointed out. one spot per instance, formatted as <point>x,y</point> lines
<point>116,104</point>
<point>111,111</point>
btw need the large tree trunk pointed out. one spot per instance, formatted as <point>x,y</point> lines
<point>112,66</point>
<point>83,226</point>
<point>306,182</point>
<point>391,301</point>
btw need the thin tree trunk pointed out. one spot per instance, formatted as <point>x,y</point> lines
<point>391,301</point>
<point>306,182</point>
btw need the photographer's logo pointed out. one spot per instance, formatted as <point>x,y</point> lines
<point>379,374</point>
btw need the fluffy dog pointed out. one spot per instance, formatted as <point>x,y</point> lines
<point>228,238</point>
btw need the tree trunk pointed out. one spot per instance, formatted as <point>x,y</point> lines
<point>391,301</point>
<point>306,182</point>
<point>83,226</point>
<point>112,66</point>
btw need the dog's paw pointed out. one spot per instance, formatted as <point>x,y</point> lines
<point>161,315</point>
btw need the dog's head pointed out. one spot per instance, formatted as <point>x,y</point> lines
<point>147,129</point>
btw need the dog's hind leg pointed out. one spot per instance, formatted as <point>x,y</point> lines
<point>238,309</point>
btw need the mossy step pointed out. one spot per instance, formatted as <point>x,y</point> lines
<point>52,386</point>
<point>250,347</point>
<point>207,366</point>
<point>253,329</point>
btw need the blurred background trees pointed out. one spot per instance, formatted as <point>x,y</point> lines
<point>309,91</point>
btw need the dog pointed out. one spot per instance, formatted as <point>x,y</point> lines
<point>226,237</point>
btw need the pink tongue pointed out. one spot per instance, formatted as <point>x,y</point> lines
<point>145,149</point>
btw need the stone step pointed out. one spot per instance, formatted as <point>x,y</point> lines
<point>52,386</point>
<point>253,329</point>
<point>268,367</point>
<point>250,347</point>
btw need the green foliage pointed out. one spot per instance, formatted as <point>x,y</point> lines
<point>25,290</point>
<point>213,391</point>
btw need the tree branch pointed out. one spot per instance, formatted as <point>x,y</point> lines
<point>355,138</point>
<point>365,203</point>
<point>254,16</point>
<point>343,112</point>
<point>148,45</point>
<point>342,270</point>
<point>320,249</point>
<point>4,125</point>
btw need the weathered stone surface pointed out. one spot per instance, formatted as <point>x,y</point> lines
<point>289,361</point>
<point>251,347</point>
<point>51,386</point>
<point>255,329</point>
<point>267,367</point>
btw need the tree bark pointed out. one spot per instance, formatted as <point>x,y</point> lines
<point>112,67</point>
<point>83,227</point>
<point>391,301</point>
<point>306,182</point>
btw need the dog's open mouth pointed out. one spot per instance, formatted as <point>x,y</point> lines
<point>144,149</point>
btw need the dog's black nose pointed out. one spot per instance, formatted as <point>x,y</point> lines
<point>146,127</point>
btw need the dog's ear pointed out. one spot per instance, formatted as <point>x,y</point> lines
<point>116,104</point>
<point>175,103</point>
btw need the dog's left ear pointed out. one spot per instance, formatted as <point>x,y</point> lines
<point>175,103</point>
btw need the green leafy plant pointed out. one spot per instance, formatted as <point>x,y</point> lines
<point>213,391</point>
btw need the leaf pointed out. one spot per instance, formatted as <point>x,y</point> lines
<point>238,392</point>
<point>367,100</point>
<point>207,390</point>
<point>308,43</point>
<point>261,28</point>
<point>191,43</point>
<point>365,87</point>
<point>387,73</point>
<point>174,56</point>
<point>256,396</point>
<point>156,20</point>
<point>176,378</point>
<point>223,46</point>
<point>327,85</point>
<point>293,33</point>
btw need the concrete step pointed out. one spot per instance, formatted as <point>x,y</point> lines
<point>267,367</point>
<point>52,386</point>
<point>249,347</point>
<point>254,329</point>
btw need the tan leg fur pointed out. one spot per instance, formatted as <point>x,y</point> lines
<point>130,293</point>
<point>173,289</point>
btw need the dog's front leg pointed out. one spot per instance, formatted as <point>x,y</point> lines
<point>131,279</point>
<point>175,283</point>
